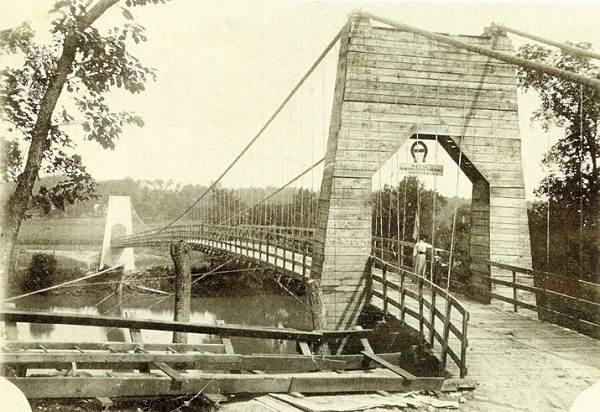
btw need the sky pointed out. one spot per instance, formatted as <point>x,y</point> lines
<point>224,66</point>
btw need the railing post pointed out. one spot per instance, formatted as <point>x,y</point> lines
<point>304,253</point>
<point>276,253</point>
<point>260,234</point>
<point>402,296</point>
<point>268,246</point>
<point>254,239</point>
<point>369,283</point>
<point>445,333</point>
<point>421,328</point>
<point>385,290</point>
<point>463,346</point>
<point>402,255</point>
<point>432,310</point>
<point>235,231</point>
<point>514,277</point>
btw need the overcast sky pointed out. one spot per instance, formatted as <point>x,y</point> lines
<point>223,67</point>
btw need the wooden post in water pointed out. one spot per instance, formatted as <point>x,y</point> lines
<point>119,286</point>
<point>183,286</point>
<point>317,309</point>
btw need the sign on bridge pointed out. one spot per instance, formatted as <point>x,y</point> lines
<point>419,151</point>
<point>422,169</point>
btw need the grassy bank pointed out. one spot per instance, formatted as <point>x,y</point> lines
<point>68,231</point>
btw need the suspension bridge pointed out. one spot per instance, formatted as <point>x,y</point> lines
<point>320,194</point>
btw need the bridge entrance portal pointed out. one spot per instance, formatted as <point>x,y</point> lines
<point>392,85</point>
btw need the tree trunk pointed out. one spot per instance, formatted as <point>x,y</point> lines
<point>18,202</point>
<point>183,286</point>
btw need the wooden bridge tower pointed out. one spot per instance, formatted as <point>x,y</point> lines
<point>390,86</point>
<point>118,223</point>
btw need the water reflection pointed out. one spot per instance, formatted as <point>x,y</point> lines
<point>115,335</point>
<point>268,310</point>
<point>40,330</point>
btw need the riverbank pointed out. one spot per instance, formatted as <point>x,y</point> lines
<point>227,282</point>
<point>212,276</point>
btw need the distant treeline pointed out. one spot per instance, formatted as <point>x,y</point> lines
<point>153,200</point>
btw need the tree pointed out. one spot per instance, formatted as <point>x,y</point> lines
<point>390,217</point>
<point>573,188</point>
<point>61,84</point>
<point>41,272</point>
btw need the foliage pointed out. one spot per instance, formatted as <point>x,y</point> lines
<point>573,183</point>
<point>101,64</point>
<point>390,216</point>
<point>565,248</point>
<point>41,271</point>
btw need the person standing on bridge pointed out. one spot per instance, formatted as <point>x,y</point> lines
<point>419,256</point>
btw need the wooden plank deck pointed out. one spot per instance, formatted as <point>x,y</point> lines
<point>519,360</point>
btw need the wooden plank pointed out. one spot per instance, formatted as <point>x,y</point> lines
<point>382,95</point>
<point>198,361</point>
<point>453,115</point>
<point>394,368</point>
<point>178,378</point>
<point>136,337</point>
<point>386,33</point>
<point>165,325</point>
<point>225,340</point>
<point>364,342</point>
<point>105,402</point>
<point>106,357</point>
<point>319,382</point>
<point>378,37</point>
<point>214,397</point>
<point>341,383</point>
<point>395,52</point>
<point>269,403</point>
<point>415,76</point>
<point>407,64</point>
<point>119,346</point>
<point>304,348</point>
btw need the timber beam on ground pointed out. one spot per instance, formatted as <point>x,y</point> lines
<point>192,361</point>
<point>136,384</point>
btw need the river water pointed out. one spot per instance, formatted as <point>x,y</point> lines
<point>261,310</point>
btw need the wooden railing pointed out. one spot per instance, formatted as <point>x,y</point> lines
<point>436,314</point>
<point>284,248</point>
<point>566,301</point>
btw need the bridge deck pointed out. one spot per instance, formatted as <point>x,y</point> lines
<point>525,364</point>
<point>519,362</point>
